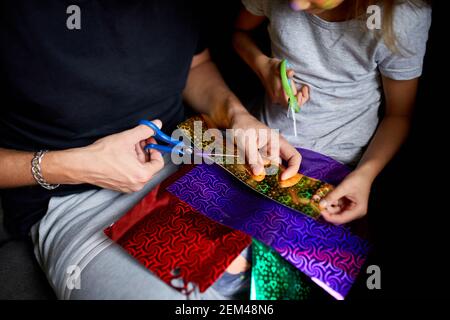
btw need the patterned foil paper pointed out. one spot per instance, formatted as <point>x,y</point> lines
<point>330,255</point>
<point>304,196</point>
<point>185,249</point>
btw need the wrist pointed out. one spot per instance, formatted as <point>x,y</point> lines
<point>367,170</point>
<point>235,110</point>
<point>227,109</point>
<point>63,167</point>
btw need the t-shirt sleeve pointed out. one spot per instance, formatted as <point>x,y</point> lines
<point>411,26</point>
<point>256,7</point>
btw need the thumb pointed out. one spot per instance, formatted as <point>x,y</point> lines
<point>256,164</point>
<point>143,132</point>
<point>290,73</point>
<point>333,197</point>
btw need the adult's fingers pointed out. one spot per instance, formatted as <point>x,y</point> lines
<point>270,148</point>
<point>156,161</point>
<point>247,142</point>
<point>143,132</point>
<point>292,157</point>
<point>258,166</point>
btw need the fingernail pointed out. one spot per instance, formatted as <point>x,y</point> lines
<point>323,203</point>
<point>294,6</point>
<point>259,169</point>
<point>256,169</point>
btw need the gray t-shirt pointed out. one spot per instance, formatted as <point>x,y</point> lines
<point>341,63</point>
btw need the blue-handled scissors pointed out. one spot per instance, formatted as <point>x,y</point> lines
<point>173,145</point>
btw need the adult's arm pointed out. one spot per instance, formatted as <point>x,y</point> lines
<point>207,93</point>
<point>116,162</point>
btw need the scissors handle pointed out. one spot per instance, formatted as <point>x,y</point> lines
<point>286,82</point>
<point>159,135</point>
<point>174,145</point>
<point>164,149</point>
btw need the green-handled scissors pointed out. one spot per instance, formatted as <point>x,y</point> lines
<point>286,83</point>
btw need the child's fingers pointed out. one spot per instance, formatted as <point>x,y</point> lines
<point>292,82</point>
<point>284,98</point>
<point>153,152</point>
<point>300,99</point>
<point>333,208</point>
<point>303,96</point>
<point>300,5</point>
<point>146,155</point>
<point>279,95</point>
<point>305,93</point>
<point>290,73</point>
<point>346,215</point>
<point>293,158</point>
<point>334,198</point>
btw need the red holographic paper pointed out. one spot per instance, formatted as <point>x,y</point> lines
<point>184,248</point>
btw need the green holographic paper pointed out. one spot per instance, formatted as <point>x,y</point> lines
<point>273,278</point>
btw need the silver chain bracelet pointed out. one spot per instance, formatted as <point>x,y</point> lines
<point>37,173</point>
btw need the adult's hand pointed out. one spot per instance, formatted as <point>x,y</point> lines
<point>263,140</point>
<point>117,162</point>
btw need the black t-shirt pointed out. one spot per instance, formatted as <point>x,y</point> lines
<point>63,88</point>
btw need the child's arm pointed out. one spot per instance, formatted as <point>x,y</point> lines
<point>267,69</point>
<point>349,200</point>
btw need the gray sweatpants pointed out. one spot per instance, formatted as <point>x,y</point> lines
<point>81,262</point>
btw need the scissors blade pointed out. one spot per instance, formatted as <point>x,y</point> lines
<point>197,151</point>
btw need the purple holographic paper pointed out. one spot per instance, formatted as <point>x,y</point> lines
<point>330,255</point>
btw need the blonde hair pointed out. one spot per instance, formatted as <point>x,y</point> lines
<point>387,33</point>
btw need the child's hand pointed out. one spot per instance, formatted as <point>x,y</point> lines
<point>349,200</point>
<point>269,73</point>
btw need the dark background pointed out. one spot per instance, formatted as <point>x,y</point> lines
<point>406,220</point>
